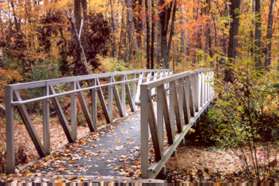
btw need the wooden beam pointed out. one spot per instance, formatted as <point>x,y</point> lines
<point>85,110</point>
<point>161,93</point>
<point>22,110</point>
<point>62,118</point>
<point>103,103</point>
<point>117,99</point>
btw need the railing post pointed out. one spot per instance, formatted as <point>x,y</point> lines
<point>110,97</point>
<point>94,103</point>
<point>46,135</point>
<point>10,157</point>
<point>144,131</point>
<point>123,95</point>
<point>74,112</point>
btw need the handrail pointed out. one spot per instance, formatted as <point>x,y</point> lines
<point>128,96</point>
<point>42,83</point>
<point>169,108</point>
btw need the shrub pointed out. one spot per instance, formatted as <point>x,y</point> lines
<point>246,111</point>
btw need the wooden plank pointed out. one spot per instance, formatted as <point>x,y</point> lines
<point>160,117</point>
<point>85,110</point>
<point>166,113</point>
<point>123,95</point>
<point>103,103</point>
<point>94,104</point>
<point>175,100</point>
<point>196,91</point>
<point>130,98</point>
<point>176,112</point>
<point>110,97</point>
<point>28,125</point>
<point>181,100</point>
<point>117,99</point>
<point>74,111</point>
<point>137,96</point>
<point>152,123</point>
<point>155,168</point>
<point>62,117</point>
<point>189,100</point>
<point>10,155</point>
<point>46,134</point>
<point>192,94</point>
<point>144,132</point>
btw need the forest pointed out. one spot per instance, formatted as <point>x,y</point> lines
<point>237,39</point>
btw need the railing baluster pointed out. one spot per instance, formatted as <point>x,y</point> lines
<point>46,135</point>
<point>94,104</point>
<point>85,110</point>
<point>162,98</point>
<point>117,99</point>
<point>123,95</point>
<point>10,156</point>
<point>144,111</point>
<point>110,97</point>
<point>62,117</point>
<point>103,103</point>
<point>74,111</point>
<point>174,108</point>
<point>29,127</point>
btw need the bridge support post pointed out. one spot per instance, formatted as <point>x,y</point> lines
<point>10,157</point>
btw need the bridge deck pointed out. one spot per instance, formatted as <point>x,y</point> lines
<point>113,151</point>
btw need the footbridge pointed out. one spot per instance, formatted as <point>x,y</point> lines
<point>147,114</point>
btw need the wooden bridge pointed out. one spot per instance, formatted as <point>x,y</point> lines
<point>169,105</point>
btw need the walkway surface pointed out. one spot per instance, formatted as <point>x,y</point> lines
<point>113,151</point>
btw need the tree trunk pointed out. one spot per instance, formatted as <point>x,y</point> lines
<point>77,13</point>
<point>258,34</point>
<point>208,29</point>
<point>269,34</point>
<point>152,34</point>
<point>148,65</point>
<point>167,18</point>
<point>137,8</point>
<point>130,29</point>
<point>113,28</point>
<point>234,28</point>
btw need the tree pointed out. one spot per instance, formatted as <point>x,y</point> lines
<point>234,28</point>
<point>258,34</point>
<point>167,18</point>
<point>269,34</point>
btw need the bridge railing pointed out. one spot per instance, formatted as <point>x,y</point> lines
<point>87,90</point>
<point>169,108</point>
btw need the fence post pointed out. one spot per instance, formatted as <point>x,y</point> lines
<point>10,157</point>
<point>123,95</point>
<point>74,112</point>
<point>94,103</point>
<point>110,97</point>
<point>46,135</point>
<point>144,132</point>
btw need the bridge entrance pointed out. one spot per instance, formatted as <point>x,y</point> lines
<point>165,107</point>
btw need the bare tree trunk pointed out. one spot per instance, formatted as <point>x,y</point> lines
<point>77,13</point>
<point>234,28</point>
<point>152,34</point>
<point>122,41</point>
<point>167,18</point>
<point>269,34</point>
<point>16,21</point>
<point>130,30</point>
<point>208,29</point>
<point>113,28</point>
<point>137,8</point>
<point>148,65</point>
<point>258,34</point>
